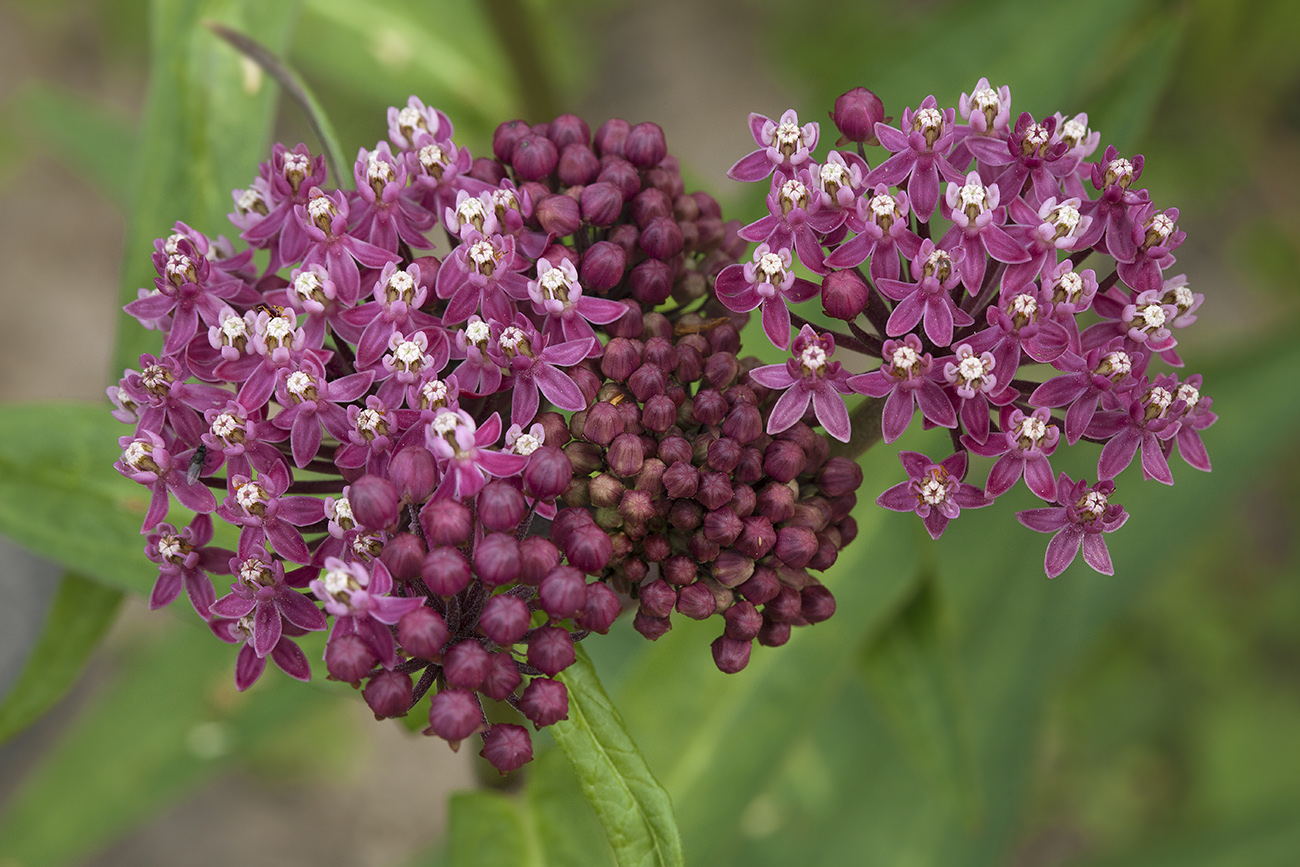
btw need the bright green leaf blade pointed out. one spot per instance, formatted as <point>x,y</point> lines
<point>912,669</point>
<point>79,616</point>
<point>61,498</point>
<point>635,810</point>
<point>488,828</point>
<point>94,141</point>
<point>207,125</point>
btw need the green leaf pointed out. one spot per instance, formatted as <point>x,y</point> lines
<point>61,498</point>
<point>79,616</point>
<point>207,125</point>
<point>488,828</point>
<point>635,810</point>
<point>912,669</point>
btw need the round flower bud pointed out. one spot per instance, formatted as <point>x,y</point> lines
<point>601,204</point>
<point>783,607</point>
<point>658,598</point>
<point>722,369</point>
<point>651,281</point>
<point>696,601</point>
<point>715,490</point>
<point>659,413</point>
<point>646,382</point>
<point>795,546</point>
<point>744,423</point>
<point>545,702</point>
<point>414,473</point>
<point>562,593</point>
<point>722,526</point>
<point>661,238</point>
<point>488,171</point>
<point>577,165</point>
<point>762,586</point>
<point>685,515</point>
<point>625,455</point>
<point>648,205</point>
<point>645,146</point>
<point>502,677</point>
<point>773,634</point>
<point>446,522</point>
<point>559,215</point>
<point>622,174</point>
<point>844,295</point>
<point>724,454</point>
<point>374,502</point>
<point>839,476</point>
<point>348,659</point>
<point>445,571</point>
<point>828,551</point>
<point>690,363</point>
<point>679,569</point>
<point>504,619</point>
<point>588,548</point>
<point>605,491</point>
<point>501,505</point>
<point>729,655</point>
<point>757,537</point>
<point>611,136</point>
<point>602,424</point>
<point>674,448</point>
<point>506,136</point>
<point>588,382</point>
<point>403,555</point>
<point>496,559</point>
<point>657,547</point>
<point>507,747</point>
<point>550,649</point>
<point>600,608</point>
<point>537,557</point>
<point>621,359</point>
<point>856,114</point>
<point>817,603</point>
<point>557,253</point>
<point>743,621</point>
<point>534,157</point>
<point>701,548</point>
<point>636,507</point>
<point>454,714</point>
<point>422,633</point>
<point>547,474</point>
<point>651,627</point>
<point>555,430</point>
<point>568,129</point>
<point>603,263</point>
<point>732,568</point>
<point>389,694</point>
<point>724,339</point>
<point>784,460</point>
<point>465,664</point>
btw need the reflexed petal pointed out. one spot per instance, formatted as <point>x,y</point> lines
<point>1096,554</point>
<point>1062,550</point>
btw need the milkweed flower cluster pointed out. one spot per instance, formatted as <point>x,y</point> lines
<point>967,261</point>
<point>390,432</point>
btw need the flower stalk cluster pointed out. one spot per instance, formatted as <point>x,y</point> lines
<point>967,261</point>
<point>460,465</point>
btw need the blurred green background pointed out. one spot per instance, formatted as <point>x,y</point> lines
<point>960,709</point>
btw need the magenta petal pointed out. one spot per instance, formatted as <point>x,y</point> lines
<point>1044,520</point>
<point>151,307</point>
<point>300,611</point>
<point>1006,471</point>
<point>1062,550</point>
<point>266,628</point>
<point>232,607</point>
<point>1192,449</point>
<point>905,316</point>
<point>601,311</point>
<point>831,412</point>
<point>936,405</point>
<point>390,609</point>
<point>754,166</point>
<point>924,190</point>
<point>899,498</point>
<point>248,668</point>
<point>559,389</point>
<point>935,523</point>
<point>301,511</point>
<point>1039,478</point>
<point>897,415</point>
<point>501,464</point>
<point>524,403</point>
<point>199,589</point>
<point>287,541</point>
<point>568,353</point>
<point>306,438</point>
<point>1002,246</point>
<point>1096,554</point>
<point>291,660</point>
<point>1118,453</point>
<point>776,322</point>
<point>789,408</point>
<point>772,376</point>
<point>1154,464</point>
<point>165,589</point>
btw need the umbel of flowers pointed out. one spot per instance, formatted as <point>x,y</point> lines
<point>460,466</point>
<point>967,261</point>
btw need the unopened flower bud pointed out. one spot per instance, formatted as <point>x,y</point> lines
<point>537,557</point>
<point>611,136</point>
<point>661,238</point>
<point>722,526</point>
<point>729,655</point>
<point>414,473</point>
<point>465,664</point>
<point>722,369</point>
<point>856,114</point>
<point>743,499</point>
<point>501,505</point>
<point>636,507</point>
<point>625,456</point>
<point>547,474</point>
<point>562,593</point>
<point>645,146</point>
<point>651,282</point>
<point>602,424</point>
<point>534,157</point>
<point>600,608</point>
<point>795,546</point>
<point>577,165</point>
<point>762,586</point>
<point>685,515</point>
<point>496,559</point>
<point>723,454</point>
<point>454,714</point>
<point>348,659</point>
<point>601,204</point>
<point>559,215</point>
<point>783,607</point>
<point>784,460</point>
<point>422,633</point>
<point>545,702</point>
<point>773,633</point>
<point>757,537</point>
<point>445,571</point>
<point>550,649</point>
<point>658,598</point>
<point>828,551</point>
<point>817,603</point>
<point>446,522</point>
<point>488,171</point>
<point>389,694</point>
<point>507,747</point>
<point>374,502</point>
<point>647,381</point>
<point>690,363</point>
<point>696,601</point>
<point>651,627</point>
<point>502,677</point>
<point>659,413</point>
<point>844,295</point>
<point>403,555</point>
<point>743,622</point>
<point>715,490</point>
<point>506,136</point>
<point>606,491</point>
<point>588,548</point>
<point>504,619</point>
<point>701,549</point>
<point>587,381</point>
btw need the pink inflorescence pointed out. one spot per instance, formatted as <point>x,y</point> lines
<point>461,465</point>
<point>961,261</point>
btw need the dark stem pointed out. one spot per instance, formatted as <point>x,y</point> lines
<point>1111,279</point>
<point>1080,255</point>
<point>323,486</point>
<point>847,341</point>
<point>868,339</point>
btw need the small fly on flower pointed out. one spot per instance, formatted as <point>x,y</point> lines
<point>272,310</point>
<point>196,464</point>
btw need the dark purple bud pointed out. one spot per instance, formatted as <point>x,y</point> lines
<point>658,598</point>
<point>606,491</point>
<point>603,263</point>
<point>389,694</point>
<point>651,282</point>
<point>577,493</point>
<point>856,114</point>
<point>587,381</point>
<point>750,468</point>
<point>445,571</point>
<point>507,747</point>
<point>743,499</point>
<point>848,531</point>
<point>657,548</point>
<point>813,513</point>
<point>375,503</point>
<point>783,607</point>
<point>403,555</point>
<point>679,569</point>
<point>844,295</point>
<point>651,627</point>
<point>689,286</point>
<point>841,506</point>
<point>701,548</point>
<point>600,608</point>
<point>722,369</point>
<point>588,548</point>
<point>465,664</point>
<point>454,714</point>
<point>537,557</point>
<point>690,363</point>
<point>710,407</point>
<point>630,323</point>
<point>724,454</point>
<point>557,252</point>
<point>547,474</point>
<point>601,205</point>
<point>565,522</point>
<point>795,546</point>
<point>817,603</point>
<point>725,338</point>
<point>504,619</point>
<point>348,659</point>
<point>579,165</point>
<point>502,677</point>
<point>545,702</point>
<point>584,457</point>
<point>661,238</point>
<point>550,650</point>
<point>620,173</point>
<point>658,325</point>
<point>422,633</point>
<point>773,634</point>
<point>446,522</point>
<point>636,507</point>
<point>489,171</point>
<point>506,136</point>
<point>762,586</point>
<point>496,559</point>
<point>784,460</point>
<point>731,568</point>
<point>685,515</point>
<point>625,456</point>
<point>729,655</point>
<point>715,490</point>
<point>647,381</point>
<point>569,129</point>
<point>659,413</point>
<point>501,505</point>
<point>650,204</point>
<point>625,236</point>
<point>661,353</point>
<point>839,476</point>
<point>744,423</point>
<point>776,502</point>
<point>559,215</point>
<point>555,428</point>
<point>673,449</point>
<point>534,157</point>
<point>757,537</point>
<point>696,601</point>
<point>562,593</point>
<point>603,423</point>
<point>611,136</point>
<point>621,359</point>
<point>645,146</point>
<point>414,473</point>
<point>743,622</point>
<point>722,526</point>
<point>828,551</point>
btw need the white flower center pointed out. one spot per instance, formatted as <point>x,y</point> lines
<point>432,158</point>
<point>1094,503</point>
<point>409,355</point>
<point>249,495</point>
<point>378,170</point>
<point>1073,132</point>
<point>511,338</point>
<point>927,119</point>
<point>1160,398</point>
<point>401,287</point>
<point>1153,317</point>
<point>1119,363</point>
<point>410,118</point>
<point>971,369</point>
<point>834,175</point>
<point>278,329</point>
<point>972,195</point>
<point>445,423</point>
<point>794,193</point>
<point>985,99</point>
<point>483,255</point>
<point>336,581</point>
<point>554,284</point>
<point>1183,297</point>
<point>1162,225</point>
<point>1066,217</point>
<point>1033,429</point>
<point>171,549</point>
<point>254,573</point>
<point>1189,395</point>
<point>1024,305</point>
<point>772,268</point>
<point>307,285</point>
<point>369,420</point>
<point>299,383</point>
<point>471,211</point>
<point>343,510</point>
<point>813,358</point>
<point>1121,170</point>
<point>786,138</point>
<point>224,425</point>
<point>883,206</point>
<point>249,200</point>
<point>1036,136</point>
<point>934,491</point>
<point>233,329</point>
<point>1070,286</point>
<point>295,164</point>
<point>526,444</point>
<point>904,359</point>
<point>320,208</point>
<point>135,453</point>
<point>477,331</point>
<point>435,392</point>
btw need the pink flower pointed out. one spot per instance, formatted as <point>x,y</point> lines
<point>808,377</point>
